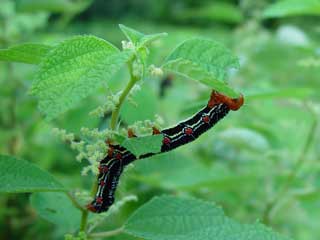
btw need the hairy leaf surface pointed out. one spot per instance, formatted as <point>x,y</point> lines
<point>73,70</point>
<point>173,218</point>
<point>21,176</point>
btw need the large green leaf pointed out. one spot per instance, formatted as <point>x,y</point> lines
<point>74,70</point>
<point>173,218</point>
<point>58,209</point>
<point>25,53</point>
<point>293,8</point>
<point>21,176</point>
<point>203,60</point>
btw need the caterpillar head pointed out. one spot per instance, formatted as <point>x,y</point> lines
<point>232,103</point>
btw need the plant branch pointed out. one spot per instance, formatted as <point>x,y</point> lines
<point>114,119</point>
<point>107,234</point>
<point>124,94</point>
<point>75,202</point>
<point>294,172</point>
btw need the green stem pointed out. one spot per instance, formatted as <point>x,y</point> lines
<point>85,213</point>
<point>84,220</point>
<point>74,202</point>
<point>294,172</point>
<point>107,234</point>
<point>114,119</point>
<point>115,113</point>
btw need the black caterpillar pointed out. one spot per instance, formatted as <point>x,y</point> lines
<point>118,157</point>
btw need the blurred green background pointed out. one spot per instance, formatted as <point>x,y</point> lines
<point>260,163</point>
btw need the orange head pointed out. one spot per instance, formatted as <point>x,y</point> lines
<point>233,103</point>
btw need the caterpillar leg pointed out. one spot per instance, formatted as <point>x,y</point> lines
<point>155,131</point>
<point>131,133</point>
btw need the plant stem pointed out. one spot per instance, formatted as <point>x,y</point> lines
<point>114,119</point>
<point>115,113</point>
<point>107,234</point>
<point>84,220</point>
<point>74,202</point>
<point>294,172</point>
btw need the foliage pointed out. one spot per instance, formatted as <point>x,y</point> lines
<point>203,60</point>
<point>256,164</point>
<point>21,176</point>
<point>25,53</point>
<point>177,218</point>
<point>74,69</point>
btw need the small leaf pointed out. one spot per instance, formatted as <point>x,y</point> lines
<point>132,35</point>
<point>293,8</point>
<point>139,39</point>
<point>173,218</point>
<point>205,61</point>
<point>31,53</point>
<point>21,176</point>
<point>57,209</point>
<point>73,70</point>
<point>145,40</point>
<point>142,145</point>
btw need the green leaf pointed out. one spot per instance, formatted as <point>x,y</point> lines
<point>73,70</point>
<point>140,42</point>
<point>173,218</point>
<point>57,209</point>
<point>145,40</point>
<point>31,53</point>
<point>139,39</point>
<point>293,8</point>
<point>21,176</point>
<point>142,145</point>
<point>203,60</point>
<point>132,35</point>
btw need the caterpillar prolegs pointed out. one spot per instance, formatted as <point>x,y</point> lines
<point>118,157</point>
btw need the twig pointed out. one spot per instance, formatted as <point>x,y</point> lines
<point>75,202</point>
<point>124,94</point>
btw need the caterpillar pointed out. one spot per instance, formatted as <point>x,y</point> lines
<point>111,167</point>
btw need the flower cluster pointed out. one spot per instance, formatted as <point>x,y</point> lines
<point>92,145</point>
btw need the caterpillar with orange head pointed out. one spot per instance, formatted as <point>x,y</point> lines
<point>118,157</point>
